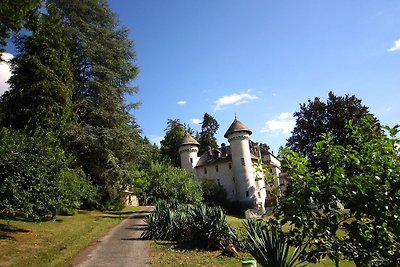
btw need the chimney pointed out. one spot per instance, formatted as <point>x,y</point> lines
<point>223,150</point>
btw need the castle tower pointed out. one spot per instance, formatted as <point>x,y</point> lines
<point>188,152</point>
<point>238,136</point>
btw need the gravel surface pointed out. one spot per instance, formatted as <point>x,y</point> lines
<point>122,246</point>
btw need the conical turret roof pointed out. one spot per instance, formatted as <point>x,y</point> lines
<point>189,140</point>
<point>237,126</point>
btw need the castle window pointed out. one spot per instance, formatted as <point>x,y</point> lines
<point>216,168</point>
<point>247,193</point>
<point>219,182</point>
<point>205,170</point>
<point>230,165</point>
<point>233,192</point>
<point>242,161</point>
<point>191,160</point>
<point>233,178</point>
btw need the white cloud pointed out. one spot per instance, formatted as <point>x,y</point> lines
<point>182,102</point>
<point>195,121</point>
<point>5,72</point>
<point>234,99</point>
<point>396,46</point>
<point>281,124</point>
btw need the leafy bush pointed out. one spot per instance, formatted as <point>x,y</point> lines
<point>35,180</point>
<point>213,194</point>
<point>191,225</point>
<point>74,189</point>
<point>364,178</point>
<point>267,244</point>
<point>165,182</point>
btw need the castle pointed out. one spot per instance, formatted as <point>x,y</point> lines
<point>232,167</point>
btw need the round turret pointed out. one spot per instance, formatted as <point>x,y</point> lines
<point>238,136</point>
<point>188,151</point>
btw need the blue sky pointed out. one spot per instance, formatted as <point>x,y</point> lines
<point>260,60</point>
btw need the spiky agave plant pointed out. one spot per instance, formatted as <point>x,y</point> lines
<point>189,225</point>
<point>267,244</point>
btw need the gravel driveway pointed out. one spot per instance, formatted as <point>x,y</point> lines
<point>121,246</point>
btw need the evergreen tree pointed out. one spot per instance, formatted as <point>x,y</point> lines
<point>41,85</point>
<point>207,138</point>
<point>105,138</point>
<point>174,133</point>
<point>13,15</point>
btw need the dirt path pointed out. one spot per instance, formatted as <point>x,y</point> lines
<point>122,246</point>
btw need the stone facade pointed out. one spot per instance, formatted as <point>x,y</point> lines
<point>232,166</point>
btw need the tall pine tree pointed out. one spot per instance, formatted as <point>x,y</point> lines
<point>105,137</point>
<point>209,128</point>
<point>13,15</point>
<point>41,84</point>
<point>174,133</point>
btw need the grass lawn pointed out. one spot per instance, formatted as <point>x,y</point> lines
<point>165,254</point>
<point>54,243</point>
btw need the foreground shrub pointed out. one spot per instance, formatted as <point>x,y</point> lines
<point>35,180</point>
<point>190,225</point>
<point>213,194</point>
<point>267,244</point>
<point>169,183</point>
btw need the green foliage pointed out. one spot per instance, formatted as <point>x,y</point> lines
<point>365,179</point>
<point>209,128</point>
<point>104,138</point>
<point>14,14</point>
<point>166,182</point>
<point>191,225</point>
<point>213,194</point>
<point>331,117</point>
<point>268,245</point>
<point>174,133</point>
<point>35,176</point>
<point>41,85</point>
<point>74,189</point>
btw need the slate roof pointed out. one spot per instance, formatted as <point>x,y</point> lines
<point>237,126</point>
<point>189,140</point>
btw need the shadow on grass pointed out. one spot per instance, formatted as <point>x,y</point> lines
<point>125,214</point>
<point>6,231</point>
<point>178,246</point>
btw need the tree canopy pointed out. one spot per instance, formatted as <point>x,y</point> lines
<point>105,138</point>
<point>41,83</point>
<point>206,138</point>
<point>174,133</point>
<point>363,176</point>
<point>74,68</point>
<point>14,15</point>
<point>316,117</point>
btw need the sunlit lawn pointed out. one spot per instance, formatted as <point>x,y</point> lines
<point>53,243</point>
